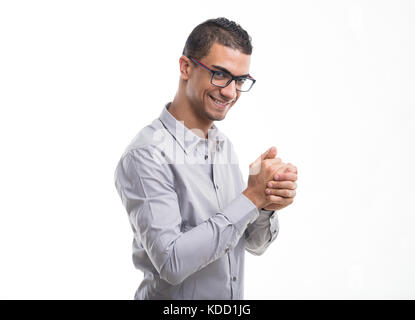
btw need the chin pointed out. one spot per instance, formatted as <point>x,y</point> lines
<point>216,117</point>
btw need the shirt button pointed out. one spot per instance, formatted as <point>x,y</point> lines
<point>206,156</point>
<point>227,250</point>
<point>234,279</point>
<point>216,186</point>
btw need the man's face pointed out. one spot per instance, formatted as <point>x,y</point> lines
<point>208,101</point>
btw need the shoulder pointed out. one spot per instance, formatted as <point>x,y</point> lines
<point>150,141</point>
<point>143,162</point>
<point>145,151</point>
<point>147,138</point>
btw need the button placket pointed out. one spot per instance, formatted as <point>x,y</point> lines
<point>215,185</point>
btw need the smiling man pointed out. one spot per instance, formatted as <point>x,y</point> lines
<point>192,215</point>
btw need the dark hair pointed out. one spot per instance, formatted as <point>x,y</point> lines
<point>221,30</point>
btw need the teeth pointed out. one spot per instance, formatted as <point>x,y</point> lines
<point>220,102</point>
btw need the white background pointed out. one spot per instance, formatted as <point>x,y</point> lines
<point>335,94</point>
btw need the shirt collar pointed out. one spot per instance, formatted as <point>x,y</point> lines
<point>185,137</point>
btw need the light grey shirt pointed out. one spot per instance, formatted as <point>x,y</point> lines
<point>191,222</point>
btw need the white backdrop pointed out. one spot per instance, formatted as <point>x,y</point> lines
<point>335,94</point>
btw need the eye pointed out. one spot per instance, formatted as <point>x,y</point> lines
<point>220,75</point>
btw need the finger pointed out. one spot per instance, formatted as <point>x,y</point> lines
<point>285,193</point>
<point>274,199</point>
<point>291,168</point>
<point>255,167</point>
<point>286,176</point>
<point>282,185</point>
<point>275,166</point>
<point>288,167</point>
<point>278,202</point>
<point>283,168</point>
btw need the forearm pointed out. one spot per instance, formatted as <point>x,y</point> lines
<point>177,255</point>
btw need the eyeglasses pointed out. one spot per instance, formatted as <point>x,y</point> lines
<point>222,78</point>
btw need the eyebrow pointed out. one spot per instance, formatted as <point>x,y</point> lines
<point>227,71</point>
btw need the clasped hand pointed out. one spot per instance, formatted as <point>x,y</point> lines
<point>271,183</point>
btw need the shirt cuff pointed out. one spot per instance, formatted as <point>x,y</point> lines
<point>274,226</point>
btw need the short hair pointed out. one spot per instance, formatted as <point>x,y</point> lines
<point>220,30</point>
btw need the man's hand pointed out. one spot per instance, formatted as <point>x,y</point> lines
<point>282,189</point>
<point>279,190</point>
<point>262,170</point>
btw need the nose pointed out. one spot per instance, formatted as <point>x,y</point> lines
<point>229,92</point>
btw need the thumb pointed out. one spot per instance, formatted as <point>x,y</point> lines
<point>271,153</point>
<point>255,166</point>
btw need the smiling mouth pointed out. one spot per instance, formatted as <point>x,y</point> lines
<point>220,104</point>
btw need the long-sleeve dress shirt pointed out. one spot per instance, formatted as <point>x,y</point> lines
<point>190,219</point>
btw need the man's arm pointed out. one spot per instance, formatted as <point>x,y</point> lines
<point>148,194</point>
<point>262,232</point>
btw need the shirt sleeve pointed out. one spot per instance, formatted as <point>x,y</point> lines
<point>147,191</point>
<point>262,232</point>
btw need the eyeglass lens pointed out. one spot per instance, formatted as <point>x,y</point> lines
<point>222,79</point>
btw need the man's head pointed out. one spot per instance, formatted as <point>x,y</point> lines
<point>220,30</point>
<point>219,45</point>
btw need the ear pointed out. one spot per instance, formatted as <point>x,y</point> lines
<point>185,67</point>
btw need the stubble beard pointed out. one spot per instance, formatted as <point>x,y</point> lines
<point>204,113</point>
<point>213,117</point>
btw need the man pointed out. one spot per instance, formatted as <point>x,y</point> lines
<point>191,213</point>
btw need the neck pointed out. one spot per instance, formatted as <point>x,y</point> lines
<point>182,111</point>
